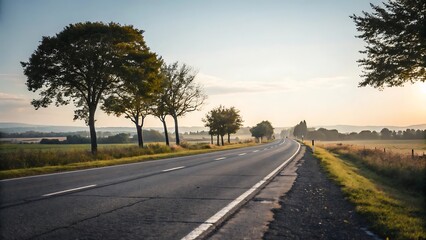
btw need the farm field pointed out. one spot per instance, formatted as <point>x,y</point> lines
<point>394,146</point>
<point>10,147</point>
<point>17,160</point>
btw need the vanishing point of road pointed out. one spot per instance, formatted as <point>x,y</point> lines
<point>176,198</point>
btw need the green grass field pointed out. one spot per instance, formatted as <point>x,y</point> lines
<point>18,160</point>
<point>396,146</point>
<point>10,147</point>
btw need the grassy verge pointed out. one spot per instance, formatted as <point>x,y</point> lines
<point>152,152</point>
<point>392,211</point>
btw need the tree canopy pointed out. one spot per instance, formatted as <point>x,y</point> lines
<point>134,99</point>
<point>262,129</point>
<point>221,121</point>
<point>396,43</point>
<point>85,63</point>
<point>183,94</point>
<point>300,130</point>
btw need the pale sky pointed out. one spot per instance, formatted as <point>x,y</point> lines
<point>282,61</point>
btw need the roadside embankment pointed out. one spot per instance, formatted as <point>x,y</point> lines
<point>385,189</point>
<point>316,208</point>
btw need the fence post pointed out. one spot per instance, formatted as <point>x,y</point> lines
<point>384,150</point>
<point>313,145</point>
<point>412,153</point>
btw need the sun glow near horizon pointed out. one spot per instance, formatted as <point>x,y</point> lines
<point>422,88</point>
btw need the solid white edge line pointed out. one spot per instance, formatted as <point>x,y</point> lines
<point>213,219</point>
<point>172,169</point>
<point>221,158</point>
<point>68,190</point>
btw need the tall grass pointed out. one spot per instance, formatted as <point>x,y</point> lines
<point>30,158</point>
<point>392,212</point>
<point>403,170</point>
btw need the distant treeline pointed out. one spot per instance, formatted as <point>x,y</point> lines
<point>301,131</point>
<point>82,137</point>
<point>385,134</point>
<point>35,134</point>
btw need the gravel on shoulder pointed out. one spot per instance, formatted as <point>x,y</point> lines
<point>316,208</point>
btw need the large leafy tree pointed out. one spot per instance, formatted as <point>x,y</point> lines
<point>396,43</point>
<point>216,121</point>
<point>262,129</point>
<point>132,106</point>
<point>300,130</point>
<point>222,121</point>
<point>159,107</point>
<point>84,63</point>
<point>134,99</point>
<point>233,121</point>
<point>184,95</point>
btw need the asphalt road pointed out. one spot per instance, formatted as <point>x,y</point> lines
<point>162,199</point>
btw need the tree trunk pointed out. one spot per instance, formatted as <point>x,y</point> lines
<point>176,130</point>
<point>93,139</point>
<point>211,138</point>
<point>217,140</point>
<point>229,138</point>
<point>166,134</point>
<point>221,136</point>
<point>140,135</point>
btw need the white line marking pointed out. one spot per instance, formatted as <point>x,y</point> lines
<point>69,190</point>
<point>256,151</point>
<point>215,218</point>
<point>265,149</point>
<point>172,169</point>
<point>242,154</point>
<point>221,158</point>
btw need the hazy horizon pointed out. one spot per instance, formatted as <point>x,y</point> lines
<point>281,61</point>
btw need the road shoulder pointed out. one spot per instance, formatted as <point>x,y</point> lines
<point>299,203</point>
<point>251,221</point>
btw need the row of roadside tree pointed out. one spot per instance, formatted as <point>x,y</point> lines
<point>109,66</point>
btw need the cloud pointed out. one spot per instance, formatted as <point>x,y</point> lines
<point>218,86</point>
<point>325,82</point>
<point>12,97</point>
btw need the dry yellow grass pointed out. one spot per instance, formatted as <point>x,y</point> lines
<point>392,212</point>
<point>394,146</point>
<point>152,152</point>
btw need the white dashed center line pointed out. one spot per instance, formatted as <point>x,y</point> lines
<point>242,154</point>
<point>213,220</point>
<point>256,151</point>
<point>221,158</point>
<point>172,169</point>
<point>68,190</point>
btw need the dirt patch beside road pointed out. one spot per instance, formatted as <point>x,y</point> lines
<point>315,208</point>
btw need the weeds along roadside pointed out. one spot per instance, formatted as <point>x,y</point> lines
<point>405,172</point>
<point>394,206</point>
<point>26,162</point>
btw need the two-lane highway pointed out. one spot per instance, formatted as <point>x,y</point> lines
<point>162,199</point>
